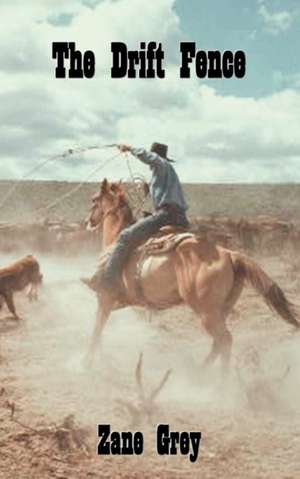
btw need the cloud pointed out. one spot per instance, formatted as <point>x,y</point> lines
<point>214,137</point>
<point>275,22</point>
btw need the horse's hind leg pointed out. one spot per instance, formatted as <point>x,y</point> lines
<point>214,324</point>
<point>233,295</point>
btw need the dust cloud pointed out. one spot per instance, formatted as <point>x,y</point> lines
<point>43,364</point>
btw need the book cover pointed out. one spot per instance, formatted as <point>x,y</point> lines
<point>149,239</point>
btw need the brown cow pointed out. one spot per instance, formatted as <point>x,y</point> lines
<point>15,277</point>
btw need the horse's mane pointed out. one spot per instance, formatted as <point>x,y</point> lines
<point>123,202</point>
<point>26,263</point>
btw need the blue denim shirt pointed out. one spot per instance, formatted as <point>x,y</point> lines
<point>165,188</point>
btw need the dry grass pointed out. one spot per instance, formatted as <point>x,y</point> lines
<point>281,201</point>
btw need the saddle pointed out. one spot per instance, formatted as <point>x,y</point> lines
<point>165,240</point>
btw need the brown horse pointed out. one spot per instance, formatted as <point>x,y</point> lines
<point>206,277</point>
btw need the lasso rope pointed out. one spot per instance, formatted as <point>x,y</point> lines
<point>134,179</point>
<point>67,153</point>
<point>77,187</point>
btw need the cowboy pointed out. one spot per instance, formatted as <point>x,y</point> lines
<point>169,205</point>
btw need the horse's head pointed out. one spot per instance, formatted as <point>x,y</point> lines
<point>110,200</point>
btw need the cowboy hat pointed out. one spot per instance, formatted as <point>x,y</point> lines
<point>161,150</point>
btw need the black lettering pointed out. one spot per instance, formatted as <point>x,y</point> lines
<point>162,439</point>
<point>127,443</point>
<point>195,438</point>
<point>119,67</point>
<point>103,432</point>
<point>184,443</point>
<point>89,64</point>
<point>188,52</point>
<point>150,59</point>
<point>75,70</point>
<point>240,64</point>
<point>138,443</point>
<point>174,439</point>
<point>115,446</point>
<point>201,64</point>
<point>159,62</point>
<point>60,50</point>
<point>63,50</point>
<point>159,59</point>
<point>214,64</point>
<point>144,63</point>
<point>227,64</point>
<point>133,59</point>
<point>143,60</point>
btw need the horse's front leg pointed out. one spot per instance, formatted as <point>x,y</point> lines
<point>31,292</point>
<point>103,311</point>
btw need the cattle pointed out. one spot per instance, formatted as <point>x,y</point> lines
<point>16,277</point>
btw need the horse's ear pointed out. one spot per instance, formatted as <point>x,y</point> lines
<point>114,187</point>
<point>117,187</point>
<point>104,185</point>
<point>121,186</point>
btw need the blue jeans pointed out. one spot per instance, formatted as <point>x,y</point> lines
<point>137,234</point>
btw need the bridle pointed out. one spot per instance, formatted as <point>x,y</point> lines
<point>110,211</point>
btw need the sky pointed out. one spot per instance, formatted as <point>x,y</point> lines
<point>233,130</point>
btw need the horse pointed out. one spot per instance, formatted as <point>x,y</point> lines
<point>206,277</point>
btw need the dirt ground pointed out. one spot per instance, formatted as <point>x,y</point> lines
<point>250,424</point>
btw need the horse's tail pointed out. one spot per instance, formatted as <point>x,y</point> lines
<point>273,295</point>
